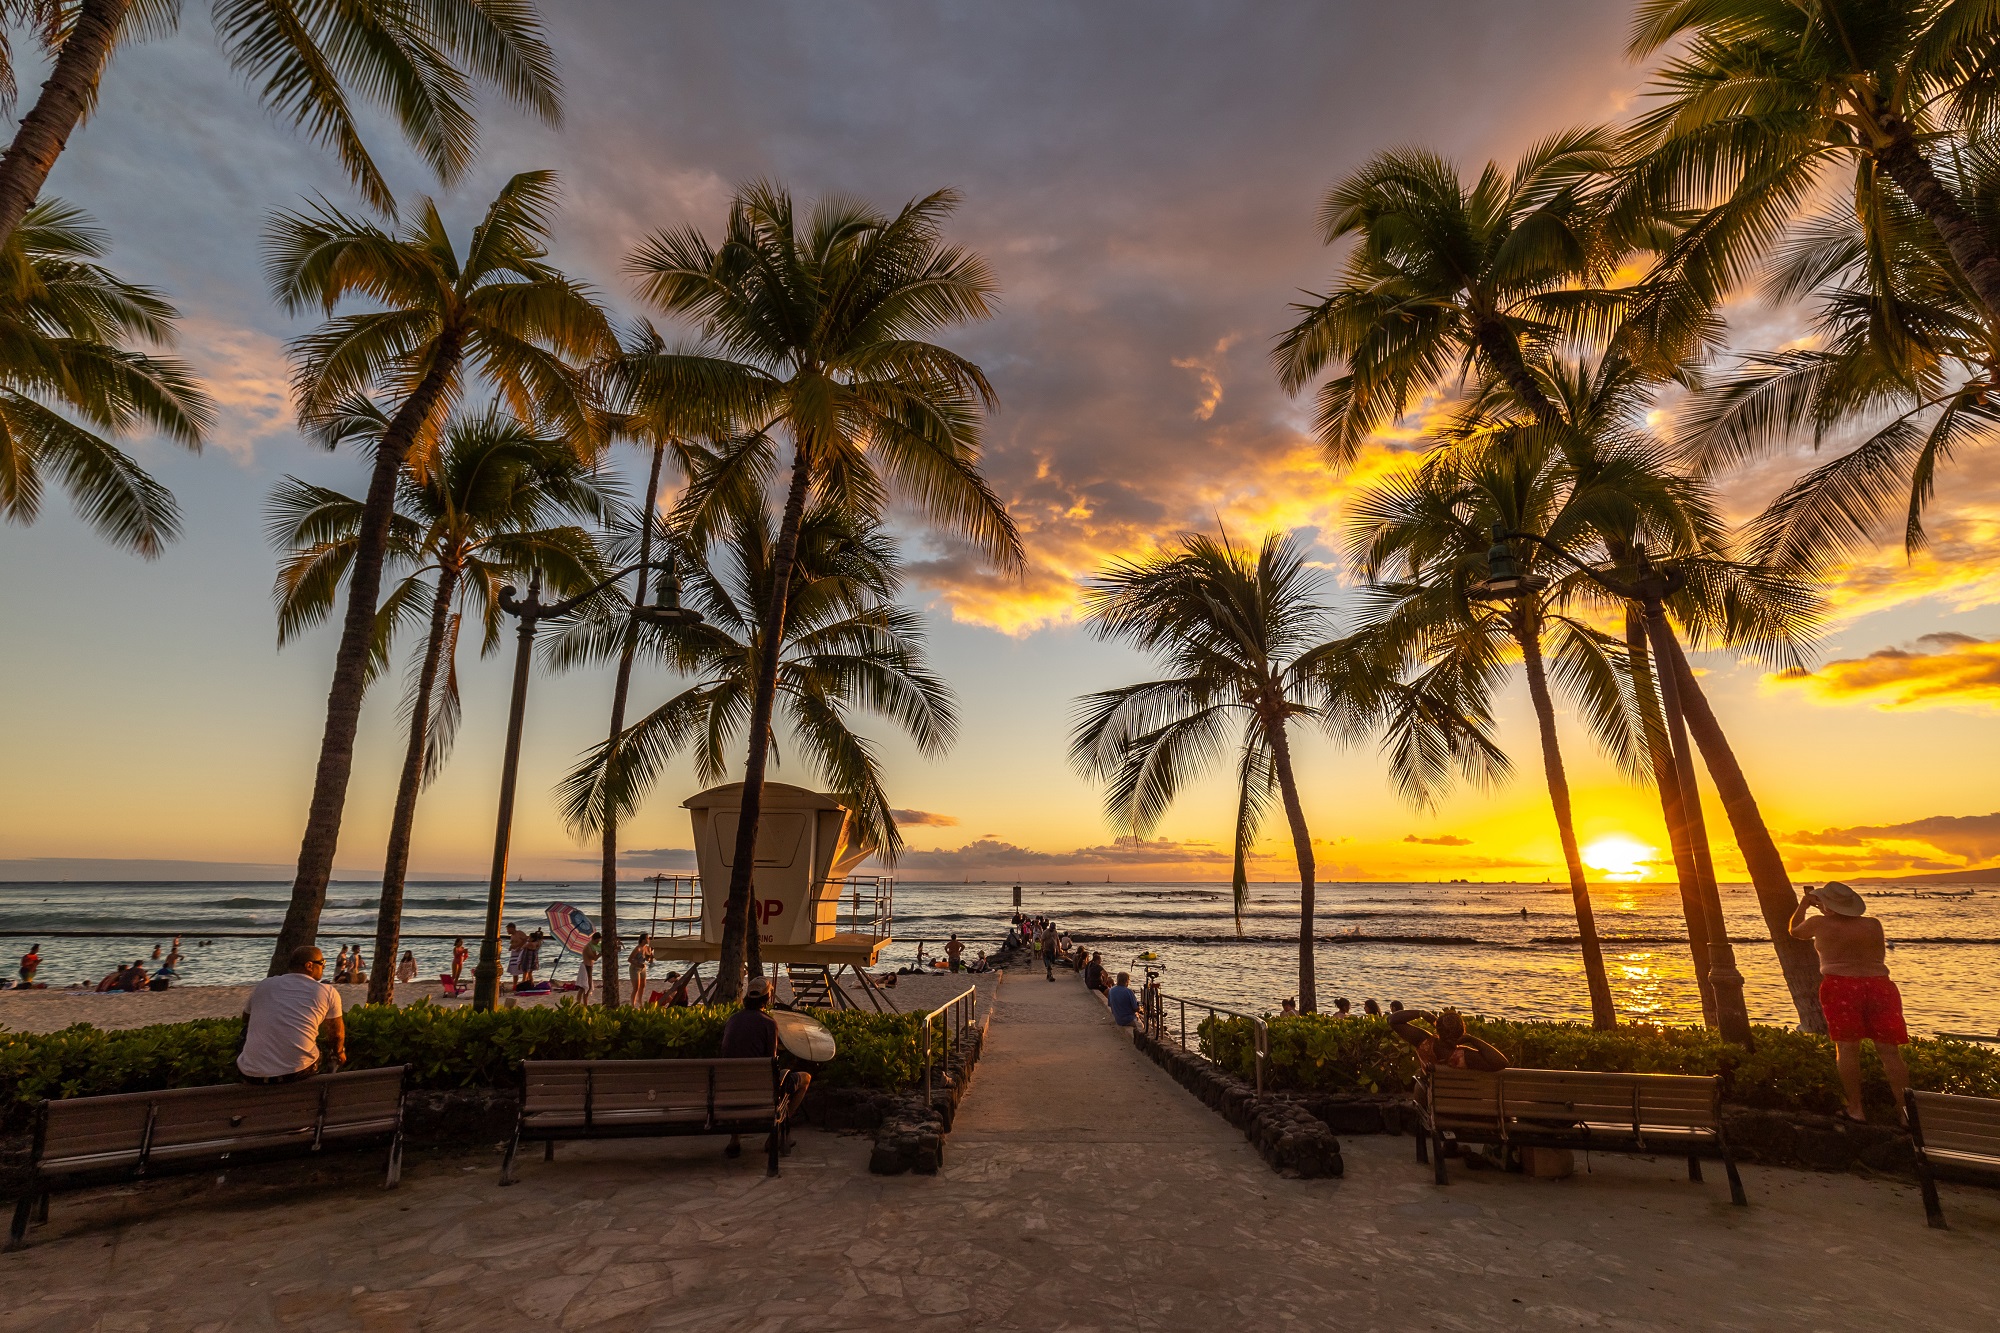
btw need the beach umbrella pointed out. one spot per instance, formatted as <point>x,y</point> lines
<point>568,924</point>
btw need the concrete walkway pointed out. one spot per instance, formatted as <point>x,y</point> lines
<point>1082,1191</point>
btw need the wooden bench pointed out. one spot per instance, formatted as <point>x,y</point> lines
<point>84,1141</point>
<point>1553,1108</point>
<point>1958,1135</point>
<point>619,1099</point>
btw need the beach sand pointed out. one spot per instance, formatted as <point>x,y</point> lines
<point>53,1010</point>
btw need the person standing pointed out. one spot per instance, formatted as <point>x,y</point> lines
<point>1860,1001</point>
<point>586,968</point>
<point>30,962</point>
<point>954,953</point>
<point>636,964</point>
<point>517,945</point>
<point>283,1018</point>
<point>459,953</point>
<point>1049,945</point>
<point>406,971</point>
<point>531,958</point>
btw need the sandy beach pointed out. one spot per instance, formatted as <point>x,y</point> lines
<point>54,1010</point>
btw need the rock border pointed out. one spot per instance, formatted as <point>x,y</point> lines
<point>1284,1131</point>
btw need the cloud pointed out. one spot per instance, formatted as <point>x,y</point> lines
<point>995,857</point>
<point>653,858</point>
<point>1939,671</point>
<point>1938,842</point>
<point>245,371</point>
<point>1442,840</point>
<point>923,818</point>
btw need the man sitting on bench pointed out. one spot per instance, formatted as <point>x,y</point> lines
<point>284,1016</point>
<point>751,1034</point>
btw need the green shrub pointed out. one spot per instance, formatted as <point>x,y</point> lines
<point>445,1048</point>
<point>1787,1070</point>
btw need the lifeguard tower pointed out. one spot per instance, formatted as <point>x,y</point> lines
<point>811,914</point>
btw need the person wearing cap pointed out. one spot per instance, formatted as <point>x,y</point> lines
<point>752,1034</point>
<point>1859,1000</point>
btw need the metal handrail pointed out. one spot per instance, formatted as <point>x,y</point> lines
<point>1156,1016</point>
<point>960,1011</point>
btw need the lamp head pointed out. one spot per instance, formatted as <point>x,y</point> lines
<point>666,608</point>
<point>1504,581</point>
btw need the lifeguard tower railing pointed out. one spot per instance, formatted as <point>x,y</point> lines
<point>864,905</point>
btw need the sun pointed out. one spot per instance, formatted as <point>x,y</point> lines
<point>1619,857</point>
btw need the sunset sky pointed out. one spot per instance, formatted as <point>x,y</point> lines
<point>1143,179</point>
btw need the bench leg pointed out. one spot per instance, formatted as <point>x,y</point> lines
<point>1933,1210</point>
<point>42,1209</point>
<point>1437,1158</point>
<point>394,1175</point>
<point>17,1235</point>
<point>771,1149</point>
<point>1736,1195</point>
<point>1694,1167</point>
<point>549,1151</point>
<point>507,1161</point>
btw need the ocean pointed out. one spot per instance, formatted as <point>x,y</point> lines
<point>1507,950</point>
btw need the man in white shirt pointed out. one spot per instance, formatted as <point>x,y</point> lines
<point>285,1015</point>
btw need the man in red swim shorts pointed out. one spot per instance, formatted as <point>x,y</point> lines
<point>1854,988</point>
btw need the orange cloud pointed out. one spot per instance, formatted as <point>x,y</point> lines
<point>1953,671</point>
<point>924,818</point>
<point>1939,842</point>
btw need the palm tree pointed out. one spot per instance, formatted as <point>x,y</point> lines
<point>1244,640</point>
<point>1422,542</point>
<point>1902,343</point>
<point>845,649</point>
<point>815,333</point>
<point>68,327</point>
<point>478,518</point>
<point>1764,96</point>
<point>521,324</point>
<point>1446,279</point>
<point>415,59</point>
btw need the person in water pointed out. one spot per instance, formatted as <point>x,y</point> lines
<point>1860,1001</point>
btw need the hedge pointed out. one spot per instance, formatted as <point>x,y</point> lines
<point>1786,1070</point>
<point>445,1048</point>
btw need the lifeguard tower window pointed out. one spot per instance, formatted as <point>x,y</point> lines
<point>779,833</point>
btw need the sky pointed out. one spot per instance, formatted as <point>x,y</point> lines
<point>1143,179</point>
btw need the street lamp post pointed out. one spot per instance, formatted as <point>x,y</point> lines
<point>531,612</point>
<point>1649,589</point>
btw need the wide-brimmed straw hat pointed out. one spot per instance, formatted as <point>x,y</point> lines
<point>1837,898</point>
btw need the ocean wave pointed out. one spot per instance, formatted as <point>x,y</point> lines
<point>1292,941</point>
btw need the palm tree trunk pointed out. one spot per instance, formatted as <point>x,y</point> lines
<point>1660,752</point>
<point>1302,848</point>
<point>65,98</point>
<point>607,896</point>
<point>350,660</point>
<point>1963,236</point>
<point>1602,1015</point>
<point>396,864</point>
<point>736,909</point>
<point>1775,899</point>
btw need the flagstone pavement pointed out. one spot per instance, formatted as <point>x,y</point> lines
<point>1083,1190</point>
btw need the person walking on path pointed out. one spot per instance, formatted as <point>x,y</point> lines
<point>593,949</point>
<point>1860,1001</point>
<point>1049,945</point>
<point>636,964</point>
<point>283,1017</point>
<point>954,953</point>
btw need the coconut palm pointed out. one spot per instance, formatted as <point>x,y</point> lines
<point>1446,279</point>
<point>414,59</point>
<point>816,333</point>
<point>1244,638</point>
<point>484,514</point>
<point>500,311</point>
<point>1422,540</point>
<point>1763,98</point>
<point>1902,346</point>
<point>71,377</point>
<point>846,650</point>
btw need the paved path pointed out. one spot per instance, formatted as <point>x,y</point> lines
<point>1083,1191</point>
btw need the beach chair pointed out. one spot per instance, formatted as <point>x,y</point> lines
<point>1646,1114</point>
<point>622,1099</point>
<point>1956,1136</point>
<point>452,990</point>
<point>84,1141</point>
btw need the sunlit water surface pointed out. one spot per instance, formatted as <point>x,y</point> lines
<point>1502,949</point>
